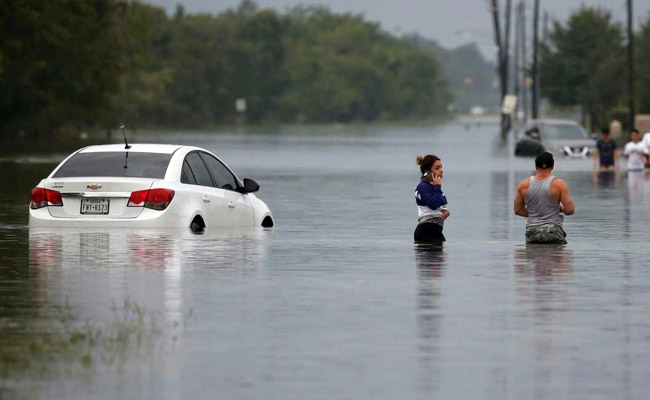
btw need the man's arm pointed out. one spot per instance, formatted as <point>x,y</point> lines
<point>596,157</point>
<point>626,151</point>
<point>566,202</point>
<point>520,206</point>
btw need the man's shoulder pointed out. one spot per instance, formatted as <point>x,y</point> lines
<point>559,182</point>
<point>524,183</point>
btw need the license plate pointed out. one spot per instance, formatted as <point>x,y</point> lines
<point>94,206</point>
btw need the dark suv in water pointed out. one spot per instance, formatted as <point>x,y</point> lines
<point>555,136</point>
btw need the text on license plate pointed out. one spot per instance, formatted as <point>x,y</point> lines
<point>94,206</point>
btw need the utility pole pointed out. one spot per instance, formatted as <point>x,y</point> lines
<point>524,57</point>
<point>494,5</point>
<point>630,63</point>
<point>506,119</point>
<point>516,69</point>
<point>503,58</point>
<point>506,50</point>
<point>535,71</point>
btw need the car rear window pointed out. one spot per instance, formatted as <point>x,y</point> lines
<point>115,164</point>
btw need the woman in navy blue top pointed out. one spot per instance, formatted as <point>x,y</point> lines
<point>431,201</point>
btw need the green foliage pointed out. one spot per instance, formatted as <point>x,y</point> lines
<point>583,63</point>
<point>341,68</point>
<point>83,63</point>
<point>642,70</point>
<point>58,62</point>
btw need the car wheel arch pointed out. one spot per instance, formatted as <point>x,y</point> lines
<point>268,221</point>
<point>197,222</point>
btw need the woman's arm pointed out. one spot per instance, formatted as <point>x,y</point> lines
<point>433,197</point>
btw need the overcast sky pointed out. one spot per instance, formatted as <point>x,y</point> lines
<point>451,22</point>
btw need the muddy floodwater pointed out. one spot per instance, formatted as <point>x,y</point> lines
<point>336,301</point>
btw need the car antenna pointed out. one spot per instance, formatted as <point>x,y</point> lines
<point>126,144</point>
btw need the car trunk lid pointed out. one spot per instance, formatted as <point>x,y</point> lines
<point>96,198</point>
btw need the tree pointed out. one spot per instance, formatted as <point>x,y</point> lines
<point>583,62</point>
<point>642,71</point>
<point>58,63</point>
<point>85,63</point>
<point>144,34</point>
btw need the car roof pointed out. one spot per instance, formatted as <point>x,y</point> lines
<point>549,121</point>
<point>136,147</point>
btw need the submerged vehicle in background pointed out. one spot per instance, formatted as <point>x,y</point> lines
<point>148,186</point>
<point>555,136</point>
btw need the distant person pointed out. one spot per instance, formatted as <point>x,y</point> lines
<point>635,151</point>
<point>646,142</point>
<point>431,201</point>
<point>606,152</point>
<point>543,199</point>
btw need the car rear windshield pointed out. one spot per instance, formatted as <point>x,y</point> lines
<point>115,164</point>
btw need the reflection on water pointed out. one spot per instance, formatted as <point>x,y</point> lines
<point>430,261</point>
<point>543,261</point>
<point>502,187</point>
<point>544,315</point>
<point>116,320</point>
<point>605,179</point>
<point>55,254</point>
<point>336,301</point>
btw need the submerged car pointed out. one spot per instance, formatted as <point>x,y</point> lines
<point>146,185</point>
<point>555,136</point>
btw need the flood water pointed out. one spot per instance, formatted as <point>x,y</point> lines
<point>336,301</point>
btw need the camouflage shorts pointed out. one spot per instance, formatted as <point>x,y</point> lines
<point>545,234</point>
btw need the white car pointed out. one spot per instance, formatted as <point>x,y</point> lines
<point>146,185</point>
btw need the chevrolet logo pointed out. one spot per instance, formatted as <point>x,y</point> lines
<point>94,186</point>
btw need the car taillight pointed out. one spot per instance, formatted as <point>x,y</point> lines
<point>155,199</point>
<point>137,199</point>
<point>42,197</point>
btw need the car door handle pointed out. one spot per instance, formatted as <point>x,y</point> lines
<point>206,199</point>
<point>231,204</point>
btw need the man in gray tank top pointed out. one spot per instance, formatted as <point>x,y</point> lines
<point>543,199</point>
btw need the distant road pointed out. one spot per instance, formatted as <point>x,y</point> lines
<point>485,118</point>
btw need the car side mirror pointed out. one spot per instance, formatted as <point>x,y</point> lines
<point>250,186</point>
<point>594,136</point>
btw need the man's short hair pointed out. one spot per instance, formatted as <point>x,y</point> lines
<point>544,160</point>
<point>634,130</point>
<point>605,130</point>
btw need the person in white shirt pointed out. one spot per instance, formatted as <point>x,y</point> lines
<point>635,151</point>
<point>646,142</point>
